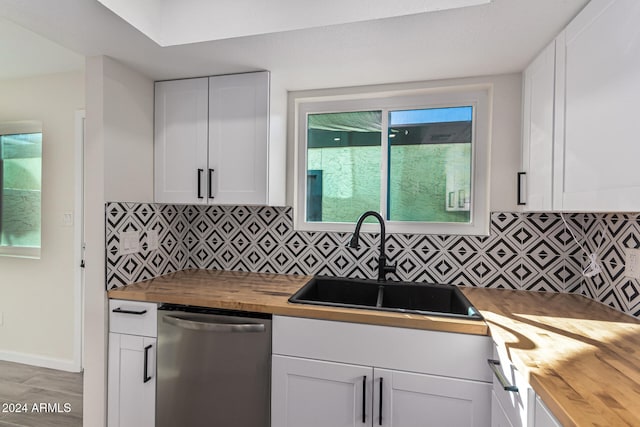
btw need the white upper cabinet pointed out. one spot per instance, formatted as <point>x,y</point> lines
<point>238,138</point>
<point>181,140</point>
<point>586,113</point>
<point>599,60</point>
<point>212,140</point>
<point>537,131</point>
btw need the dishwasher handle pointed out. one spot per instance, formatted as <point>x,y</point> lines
<point>213,327</point>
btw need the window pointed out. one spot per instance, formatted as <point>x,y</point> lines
<point>20,188</point>
<point>420,159</point>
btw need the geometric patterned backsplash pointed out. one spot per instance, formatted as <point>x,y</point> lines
<point>529,251</point>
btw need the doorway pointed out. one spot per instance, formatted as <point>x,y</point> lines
<point>79,242</point>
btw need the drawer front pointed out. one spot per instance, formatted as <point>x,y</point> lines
<point>429,352</point>
<point>516,404</point>
<point>133,317</point>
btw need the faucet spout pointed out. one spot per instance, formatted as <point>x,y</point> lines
<point>383,268</point>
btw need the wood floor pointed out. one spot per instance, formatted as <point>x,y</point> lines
<point>39,397</point>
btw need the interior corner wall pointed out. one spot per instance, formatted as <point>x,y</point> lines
<point>37,295</point>
<point>128,133</point>
<point>119,166</point>
<point>277,142</point>
<point>95,300</point>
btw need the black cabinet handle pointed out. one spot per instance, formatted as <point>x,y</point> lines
<point>520,201</point>
<point>145,374</point>
<point>380,404</point>
<point>137,312</point>
<point>200,183</point>
<point>493,364</point>
<point>364,398</point>
<point>209,182</point>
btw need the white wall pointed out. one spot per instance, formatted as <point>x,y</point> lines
<point>505,128</point>
<point>37,295</point>
<point>128,136</point>
<point>119,166</point>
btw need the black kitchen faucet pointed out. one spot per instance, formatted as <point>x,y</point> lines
<point>383,268</point>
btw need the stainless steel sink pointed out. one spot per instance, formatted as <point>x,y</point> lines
<point>403,297</point>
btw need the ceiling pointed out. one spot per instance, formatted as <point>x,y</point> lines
<point>170,23</point>
<point>495,38</point>
<point>25,53</point>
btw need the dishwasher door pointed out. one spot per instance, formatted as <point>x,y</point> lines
<point>213,369</point>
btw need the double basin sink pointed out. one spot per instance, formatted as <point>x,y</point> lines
<point>402,297</point>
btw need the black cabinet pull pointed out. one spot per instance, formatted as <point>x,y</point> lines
<point>380,404</point>
<point>145,374</point>
<point>493,364</point>
<point>200,183</point>
<point>137,312</point>
<point>209,182</point>
<point>520,191</point>
<point>364,398</point>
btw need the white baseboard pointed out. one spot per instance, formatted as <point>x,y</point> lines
<point>41,361</point>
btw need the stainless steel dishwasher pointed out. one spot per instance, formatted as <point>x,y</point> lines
<point>213,368</point>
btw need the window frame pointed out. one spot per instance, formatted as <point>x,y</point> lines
<point>477,96</point>
<point>13,128</point>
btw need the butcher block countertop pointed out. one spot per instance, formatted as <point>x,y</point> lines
<point>580,357</point>
<point>268,293</point>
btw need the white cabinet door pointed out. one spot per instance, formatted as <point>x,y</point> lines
<point>313,393</point>
<point>544,417</point>
<point>537,130</point>
<point>132,381</point>
<point>238,138</point>
<point>499,417</point>
<point>181,141</point>
<point>599,69</point>
<point>417,400</point>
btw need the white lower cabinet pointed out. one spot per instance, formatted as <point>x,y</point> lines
<point>132,380</point>
<point>132,364</point>
<point>368,375</point>
<point>314,393</point>
<point>318,393</point>
<point>512,397</point>
<point>513,402</point>
<point>544,417</point>
<point>499,417</point>
<point>417,400</point>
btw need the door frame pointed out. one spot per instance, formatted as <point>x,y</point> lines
<point>78,239</point>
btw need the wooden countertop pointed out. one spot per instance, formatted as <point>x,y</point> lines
<point>581,357</point>
<point>268,293</point>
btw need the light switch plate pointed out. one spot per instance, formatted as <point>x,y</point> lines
<point>632,263</point>
<point>67,219</point>
<point>129,242</point>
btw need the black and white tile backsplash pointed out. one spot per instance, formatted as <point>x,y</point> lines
<point>523,251</point>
